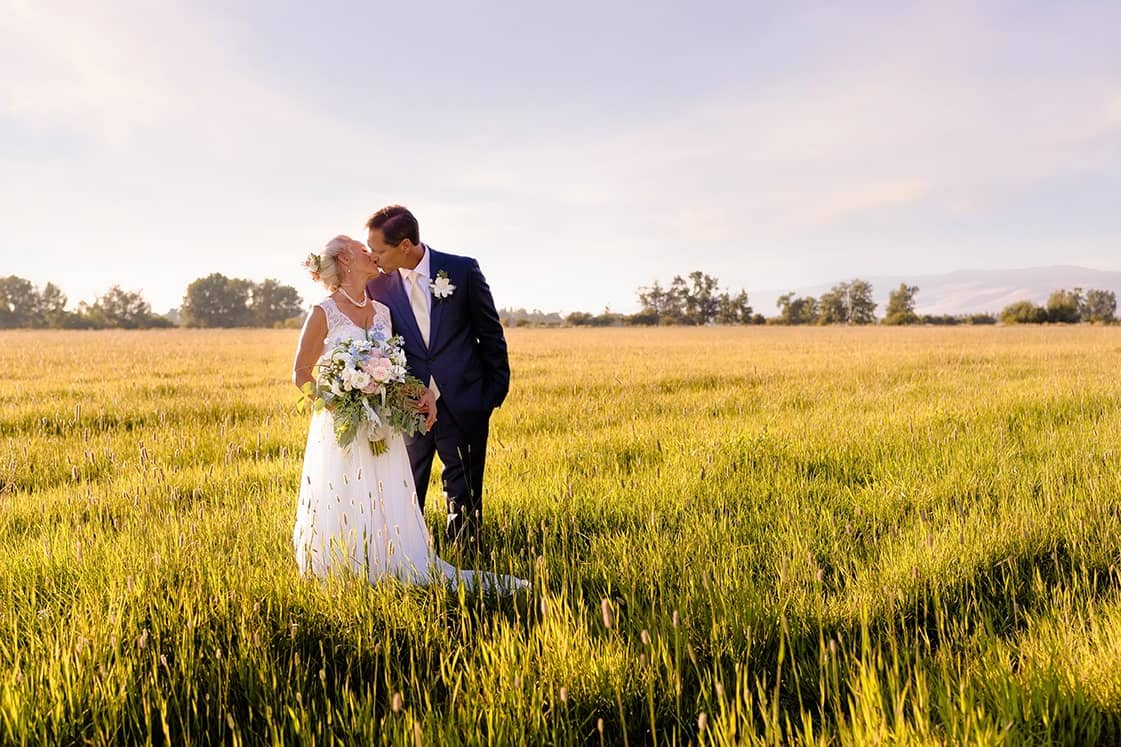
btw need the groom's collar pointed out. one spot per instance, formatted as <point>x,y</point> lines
<point>424,267</point>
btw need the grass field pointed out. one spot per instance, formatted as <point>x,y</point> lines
<point>817,536</point>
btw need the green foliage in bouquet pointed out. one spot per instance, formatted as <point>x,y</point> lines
<point>390,406</point>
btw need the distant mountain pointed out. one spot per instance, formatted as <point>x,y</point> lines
<point>968,291</point>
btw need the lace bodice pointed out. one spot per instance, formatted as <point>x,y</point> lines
<point>340,327</point>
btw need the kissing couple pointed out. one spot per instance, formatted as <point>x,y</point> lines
<point>403,323</point>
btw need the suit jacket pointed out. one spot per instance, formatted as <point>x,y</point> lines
<point>466,351</point>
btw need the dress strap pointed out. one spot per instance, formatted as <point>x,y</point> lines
<point>335,316</point>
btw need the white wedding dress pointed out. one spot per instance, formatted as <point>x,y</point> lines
<point>358,512</point>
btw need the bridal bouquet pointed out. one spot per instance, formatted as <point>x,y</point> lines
<point>364,381</point>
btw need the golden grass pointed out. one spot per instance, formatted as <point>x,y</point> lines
<point>824,535</point>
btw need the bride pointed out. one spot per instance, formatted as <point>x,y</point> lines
<point>358,512</point>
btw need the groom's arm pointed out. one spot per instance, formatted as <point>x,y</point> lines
<point>487,327</point>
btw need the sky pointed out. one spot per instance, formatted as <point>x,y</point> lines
<point>578,150</point>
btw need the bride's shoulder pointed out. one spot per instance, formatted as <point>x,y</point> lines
<point>326,308</point>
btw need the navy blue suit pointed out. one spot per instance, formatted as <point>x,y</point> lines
<point>466,355</point>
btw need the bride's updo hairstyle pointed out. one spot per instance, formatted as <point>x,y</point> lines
<point>324,267</point>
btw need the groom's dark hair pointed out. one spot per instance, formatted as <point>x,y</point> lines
<point>396,223</point>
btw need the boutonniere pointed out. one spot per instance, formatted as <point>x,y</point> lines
<point>442,286</point>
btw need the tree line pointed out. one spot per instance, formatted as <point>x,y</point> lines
<point>693,302</point>
<point>220,301</point>
<point>851,303</point>
<point>699,301</point>
<point>211,301</point>
<point>1065,307</point>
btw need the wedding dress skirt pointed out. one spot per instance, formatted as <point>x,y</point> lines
<point>358,514</point>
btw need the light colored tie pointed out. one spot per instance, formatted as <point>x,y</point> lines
<point>418,297</point>
<point>419,300</point>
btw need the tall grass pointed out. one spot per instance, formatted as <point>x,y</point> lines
<point>820,536</point>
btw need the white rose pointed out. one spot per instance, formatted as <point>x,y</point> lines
<point>442,287</point>
<point>349,377</point>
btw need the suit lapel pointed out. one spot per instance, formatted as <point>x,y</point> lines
<point>402,309</point>
<point>436,262</point>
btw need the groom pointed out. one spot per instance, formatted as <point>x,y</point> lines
<point>442,306</point>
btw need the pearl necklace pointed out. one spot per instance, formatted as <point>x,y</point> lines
<point>365,298</point>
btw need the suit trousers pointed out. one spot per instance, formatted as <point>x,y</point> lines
<point>463,454</point>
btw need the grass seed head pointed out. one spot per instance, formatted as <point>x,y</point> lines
<point>608,616</point>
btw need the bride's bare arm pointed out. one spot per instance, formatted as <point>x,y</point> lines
<point>310,347</point>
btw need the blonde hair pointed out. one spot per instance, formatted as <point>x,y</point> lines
<point>324,267</point>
